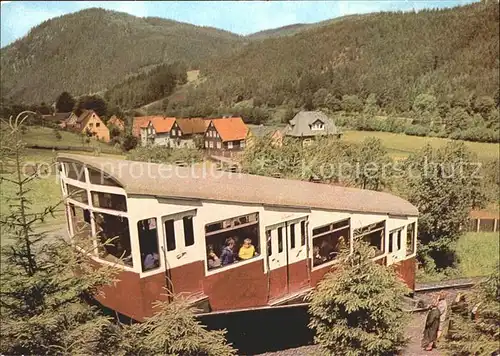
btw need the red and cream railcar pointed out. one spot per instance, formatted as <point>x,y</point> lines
<point>171,226</point>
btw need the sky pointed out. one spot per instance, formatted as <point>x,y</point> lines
<point>241,17</point>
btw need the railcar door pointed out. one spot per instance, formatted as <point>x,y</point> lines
<point>287,251</point>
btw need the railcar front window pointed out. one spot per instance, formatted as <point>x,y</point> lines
<point>82,230</point>
<point>78,194</point>
<point>101,178</point>
<point>114,237</point>
<point>410,239</point>
<point>109,201</point>
<point>75,171</point>
<point>232,240</point>
<point>329,240</point>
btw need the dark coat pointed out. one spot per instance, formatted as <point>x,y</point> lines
<point>431,327</point>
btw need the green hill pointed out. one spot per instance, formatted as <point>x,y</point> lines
<point>94,49</point>
<point>452,54</point>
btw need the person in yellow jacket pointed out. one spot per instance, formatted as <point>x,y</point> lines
<point>247,250</point>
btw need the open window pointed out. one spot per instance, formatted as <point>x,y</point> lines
<point>114,237</point>
<point>395,240</point>
<point>82,230</point>
<point>374,235</point>
<point>109,201</point>
<point>148,244</point>
<point>410,239</point>
<point>329,240</point>
<point>232,240</point>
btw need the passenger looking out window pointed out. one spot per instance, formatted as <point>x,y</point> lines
<point>227,255</point>
<point>114,236</point>
<point>148,244</point>
<point>247,250</point>
<point>213,260</point>
<point>232,240</point>
<point>329,240</point>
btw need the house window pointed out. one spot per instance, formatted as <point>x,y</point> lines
<point>219,145</point>
<point>374,235</point>
<point>211,144</point>
<point>188,230</point>
<point>170,234</point>
<point>410,239</point>
<point>206,144</point>
<point>292,235</point>
<point>173,133</point>
<point>109,201</point>
<point>148,244</point>
<point>317,125</point>
<point>329,240</point>
<point>232,240</point>
<point>76,193</point>
<point>242,143</point>
<point>97,124</point>
<point>230,145</point>
<point>114,236</point>
<point>91,125</point>
<point>302,233</point>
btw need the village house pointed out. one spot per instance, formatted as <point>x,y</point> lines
<point>118,123</point>
<point>226,135</point>
<point>88,122</point>
<point>137,123</point>
<point>307,125</point>
<point>156,131</point>
<point>58,119</point>
<point>261,131</point>
<point>185,130</point>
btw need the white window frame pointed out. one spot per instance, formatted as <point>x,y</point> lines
<point>211,144</point>
<point>219,145</point>
<point>230,145</point>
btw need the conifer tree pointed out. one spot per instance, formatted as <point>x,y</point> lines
<point>357,308</point>
<point>173,330</point>
<point>45,282</point>
<point>479,334</point>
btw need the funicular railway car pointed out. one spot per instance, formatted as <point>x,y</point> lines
<point>227,240</point>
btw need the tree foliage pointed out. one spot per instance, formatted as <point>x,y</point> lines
<point>444,184</point>
<point>65,102</point>
<point>92,102</point>
<point>45,282</point>
<point>479,335</point>
<point>357,308</point>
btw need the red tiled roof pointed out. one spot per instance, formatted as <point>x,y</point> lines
<point>160,123</point>
<point>231,129</point>
<point>193,125</point>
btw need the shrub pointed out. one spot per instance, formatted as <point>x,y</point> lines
<point>417,130</point>
<point>357,309</point>
<point>160,154</point>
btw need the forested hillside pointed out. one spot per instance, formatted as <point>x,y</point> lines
<point>451,54</point>
<point>94,49</point>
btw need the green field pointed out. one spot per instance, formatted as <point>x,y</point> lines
<point>45,137</point>
<point>401,145</point>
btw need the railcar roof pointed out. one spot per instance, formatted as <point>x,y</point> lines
<point>162,180</point>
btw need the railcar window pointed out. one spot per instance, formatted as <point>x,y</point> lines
<point>78,194</point>
<point>148,244</point>
<point>114,236</point>
<point>374,235</point>
<point>101,178</point>
<point>390,241</point>
<point>280,239</point>
<point>292,235</point>
<point>398,240</point>
<point>82,231</point>
<point>269,244</point>
<point>188,230</point>
<point>170,234</point>
<point>75,171</point>
<point>232,240</point>
<point>109,201</point>
<point>302,233</point>
<point>329,240</point>
<point>410,239</point>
